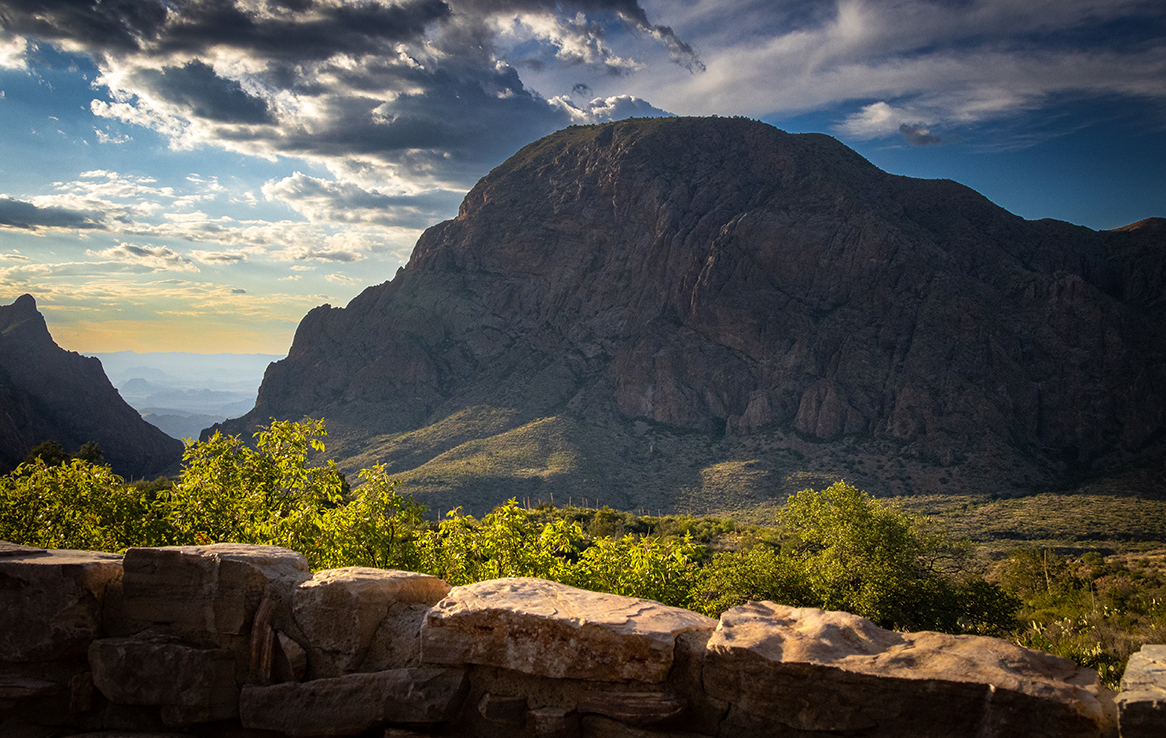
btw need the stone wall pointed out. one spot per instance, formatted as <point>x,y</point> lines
<point>233,640</point>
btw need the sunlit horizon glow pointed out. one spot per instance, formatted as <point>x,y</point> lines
<point>202,176</point>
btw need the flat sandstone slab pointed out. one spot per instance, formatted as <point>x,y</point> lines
<point>52,601</point>
<point>763,658</point>
<point>552,630</point>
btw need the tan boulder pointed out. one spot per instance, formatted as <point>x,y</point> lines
<point>787,669</point>
<point>191,684</point>
<point>1141,705</point>
<point>354,703</point>
<point>52,601</point>
<point>213,589</point>
<point>553,630</point>
<point>345,613</point>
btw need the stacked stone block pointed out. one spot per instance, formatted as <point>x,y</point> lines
<point>231,640</point>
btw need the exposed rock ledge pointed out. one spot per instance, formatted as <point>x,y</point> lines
<point>229,639</point>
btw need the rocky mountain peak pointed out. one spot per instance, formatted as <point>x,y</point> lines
<point>48,393</point>
<point>722,277</point>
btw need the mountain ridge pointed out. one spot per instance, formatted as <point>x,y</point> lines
<point>49,393</point>
<point>721,278</point>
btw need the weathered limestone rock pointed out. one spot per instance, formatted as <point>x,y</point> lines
<point>1141,705</point>
<point>354,703</point>
<point>397,642</point>
<point>341,610</point>
<point>190,684</point>
<point>51,601</point>
<point>633,708</point>
<point>787,669</point>
<point>552,630</point>
<point>214,589</point>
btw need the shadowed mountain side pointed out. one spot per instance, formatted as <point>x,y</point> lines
<point>690,293</point>
<point>49,393</point>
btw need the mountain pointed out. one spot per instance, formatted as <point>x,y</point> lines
<point>49,393</point>
<point>706,313</point>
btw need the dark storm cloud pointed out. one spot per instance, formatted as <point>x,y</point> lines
<point>581,89</point>
<point>196,87</point>
<point>291,30</point>
<point>26,216</point>
<point>917,134</point>
<point>422,87</point>
<point>100,25</point>
<point>304,31</point>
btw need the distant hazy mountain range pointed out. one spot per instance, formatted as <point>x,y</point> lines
<point>183,393</point>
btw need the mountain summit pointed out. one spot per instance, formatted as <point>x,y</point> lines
<point>659,303</point>
<point>48,393</point>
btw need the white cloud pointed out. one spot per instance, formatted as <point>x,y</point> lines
<point>340,279</point>
<point>104,137</point>
<point>12,52</point>
<point>153,258</point>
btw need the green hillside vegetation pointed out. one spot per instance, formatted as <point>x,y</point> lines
<point>1017,568</point>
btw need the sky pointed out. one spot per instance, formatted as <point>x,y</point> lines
<point>195,175</point>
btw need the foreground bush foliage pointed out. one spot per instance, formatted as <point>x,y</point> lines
<point>836,548</point>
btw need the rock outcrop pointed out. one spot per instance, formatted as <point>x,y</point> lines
<point>47,393</point>
<point>512,658</point>
<point>761,292</point>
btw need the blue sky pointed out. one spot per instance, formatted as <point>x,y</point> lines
<point>197,174</point>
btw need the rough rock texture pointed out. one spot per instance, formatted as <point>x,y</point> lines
<point>213,589</point>
<point>52,601</point>
<point>511,658</point>
<point>871,681</point>
<point>191,684</point>
<point>47,393</point>
<point>1141,706</point>
<point>352,704</point>
<point>713,275</point>
<point>548,629</point>
<point>342,611</point>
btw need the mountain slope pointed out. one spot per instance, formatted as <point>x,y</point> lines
<point>694,292</point>
<point>49,393</point>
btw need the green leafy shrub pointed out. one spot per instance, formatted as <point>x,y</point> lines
<point>79,505</point>
<point>844,550</point>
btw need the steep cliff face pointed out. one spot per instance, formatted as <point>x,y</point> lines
<point>720,276</point>
<point>49,393</point>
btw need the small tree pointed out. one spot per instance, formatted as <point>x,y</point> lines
<point>844,550</point>
<point>51,452</point>
<point>268,494</point>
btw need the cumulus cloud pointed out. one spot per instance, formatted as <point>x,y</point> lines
<point>413,90</point>
<point>12,52</point>
<point>152,258</point>
<point>325,201</point>
<point>605,109</point>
